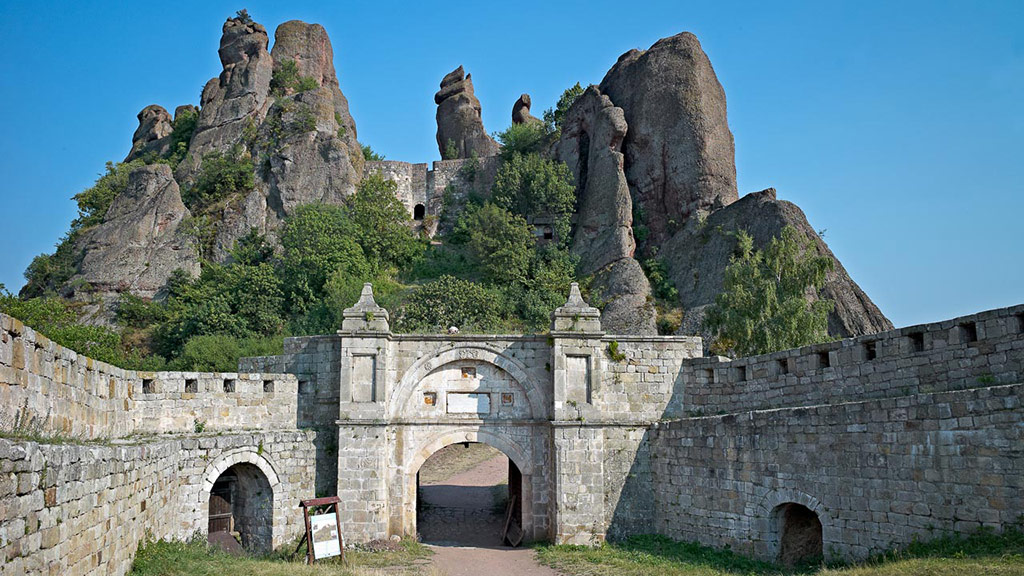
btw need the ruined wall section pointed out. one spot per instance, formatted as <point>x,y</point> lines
<point>83,509</point>
<point>878,473</point>
<point>980,349</point>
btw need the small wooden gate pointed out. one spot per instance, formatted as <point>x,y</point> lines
<point>221,516</point>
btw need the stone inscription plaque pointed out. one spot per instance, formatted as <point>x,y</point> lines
<point>469,403</point>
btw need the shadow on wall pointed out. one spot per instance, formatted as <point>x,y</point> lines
<point>634,511</point>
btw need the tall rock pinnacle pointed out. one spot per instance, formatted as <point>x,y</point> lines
<point>460,129</point>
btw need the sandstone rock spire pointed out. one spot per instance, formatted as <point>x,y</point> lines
<point>460,129</point>
<point>679,150</point>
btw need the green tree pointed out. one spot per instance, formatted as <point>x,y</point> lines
<point>451,301</point>
<point>368,154</point>
<point>528,138</point>
<point>554,117</point>
<point>53,318</point>
<point>48,273</point>
<point>501,242</point>
<point>382,224</point>
<point>530,185</point>
<point>764,305</point>
<point>318,240</point>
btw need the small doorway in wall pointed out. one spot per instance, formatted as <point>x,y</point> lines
<point>469,494</point>
<point>800,540</point>
<point>418,212</point>
<point>241,510</point>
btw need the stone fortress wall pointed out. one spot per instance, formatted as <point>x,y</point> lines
<point>125,453</point>
<point>882,438</point>
<point>419,185</point>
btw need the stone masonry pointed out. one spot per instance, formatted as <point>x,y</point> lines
<point>880,439</point>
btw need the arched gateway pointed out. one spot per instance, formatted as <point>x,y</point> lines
<point>537,399</point>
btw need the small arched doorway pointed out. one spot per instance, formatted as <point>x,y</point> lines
<point>800,540</point>
<point>469,494</point>
<point>418,212</point>
<point>241,510</point>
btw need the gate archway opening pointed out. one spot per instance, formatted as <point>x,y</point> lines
<point>241,510</point>
<point>800,539</point>
<point>469,494</point>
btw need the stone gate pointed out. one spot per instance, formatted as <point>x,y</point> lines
<point>546,402</point>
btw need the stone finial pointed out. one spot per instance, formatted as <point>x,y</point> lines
<point>576,315</point>
<point>366,315</point>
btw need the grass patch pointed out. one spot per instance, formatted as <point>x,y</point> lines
<point>196,558</point>
<point>984,552</point>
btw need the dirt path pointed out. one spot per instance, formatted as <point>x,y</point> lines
<point>462,525</point>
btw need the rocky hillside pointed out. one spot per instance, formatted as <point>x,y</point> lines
<point>649,150</point>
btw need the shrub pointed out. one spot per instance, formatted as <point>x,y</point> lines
<point>286,80</point>
<point>137,312</point>
<point>451,151</point>
<point>528,138</point>
<point>48,273</point>
<point>382,224</point>
<point>318,240</point>
<point>501,242</point>
<point>94,202</point>
<point>220,176</point>
<point>451,301</point>
<point>662,286</point>
<point>531,185</point>
<point>220,353</point>
<point>53,318</point>
<point>764,305</point>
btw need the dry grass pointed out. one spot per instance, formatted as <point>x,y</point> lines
<point>195,558</point>
<point>984,553</point>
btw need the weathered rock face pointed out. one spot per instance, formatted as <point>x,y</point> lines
<point>236,100</point>
<point>696,258</point>
<point>679,150</point>
<point>153,133</point>
<point>306,149</point>
<point>521,111</point>
<point>139,243</point>
<point>458,119</point>
<point>591,142</point>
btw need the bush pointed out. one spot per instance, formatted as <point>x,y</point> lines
<point>219,353</point>
<point>286,80</point>
<point>48,273</point>
<point>530,185</point>
<point>53,318</point>
<point>94,202</point>
<point>528,138</point>
<point>763,306</point>
<point>318,240</point>
<point>500,242</point>
<point>382,224</point>
<point>220,176</point>
<point>451,301</point>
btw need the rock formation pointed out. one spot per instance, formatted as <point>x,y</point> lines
<point>236,100</point>
<point>521,111</point>
<point>679,150</point>
<point>460,129</point>
<point>591,144</point>
<point>696,258</point>
<point>664,109</point>
<point>153,133</point>
<point>139,243</point>
<point>309,141</point>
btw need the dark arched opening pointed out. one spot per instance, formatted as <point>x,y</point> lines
<point>418,212</point>
<point>242,510</point>
<point>800,540</point>
<point>469,494</point>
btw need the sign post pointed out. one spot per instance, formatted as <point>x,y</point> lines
<point>323,530</point>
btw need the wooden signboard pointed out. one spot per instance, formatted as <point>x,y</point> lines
<point>323,529</point>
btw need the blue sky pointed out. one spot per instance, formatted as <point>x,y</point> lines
<point>898,127</point>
